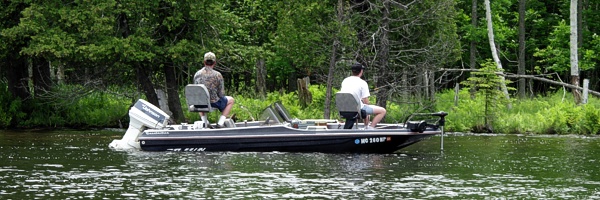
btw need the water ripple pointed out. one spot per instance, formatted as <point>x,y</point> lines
<point>80,166</point>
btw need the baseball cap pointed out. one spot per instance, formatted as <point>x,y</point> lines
<point>210,56</point>
<point>357,66</point>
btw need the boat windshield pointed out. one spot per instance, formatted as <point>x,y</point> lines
<point>270,117</point>
<point>280,109</point>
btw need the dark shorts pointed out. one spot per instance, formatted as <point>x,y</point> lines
<point>220,104</point>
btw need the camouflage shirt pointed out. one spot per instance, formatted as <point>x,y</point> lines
<point>213,80</point>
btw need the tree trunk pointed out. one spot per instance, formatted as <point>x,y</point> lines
<point>579,25</point>
<point>381,90</point>
<point>473,44</point>
<point>521,70</point>
<point>405,85</point>
<point>419,82</point>
<point>236,80</point>
<point>248,81</point>
<point>41,77</point>
<point>304,94</point>
<point>362,37</point>
<point>425,84</point>
<point>432,86</point>
<point>226,80</point>
<point>332,61</point>
<point>573,49</point>
<point>488,17</point>
<point>291,82</point>
<point>60,73</point>
<point>261,74</point>
<point>173,93</point>
<point>143,74</point>
<point>18,77</point>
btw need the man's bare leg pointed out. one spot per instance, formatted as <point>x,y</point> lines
<point>379,113</point>
<point>226,111</point>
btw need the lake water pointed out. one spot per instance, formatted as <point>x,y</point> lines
<point>79,165</point>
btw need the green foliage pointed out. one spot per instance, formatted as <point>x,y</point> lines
<point>248,107</point>
<point>487,83</point>
<point>463,116</point>
<point>590,122</point>
<point>92,109</point>
<point>10,108</point>
<point>556,56</point>
<point>543,115</point>
<point>555,114</point>
<point>301,39</point>
<point>97,110</point>
<point>106,40</point>
<point>547,34</point>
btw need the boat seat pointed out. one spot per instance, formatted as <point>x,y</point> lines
<point>348,104</point>
<point>198,98</point>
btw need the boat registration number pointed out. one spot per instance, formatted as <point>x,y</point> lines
<point>372,140</point>
<point>187,149</point>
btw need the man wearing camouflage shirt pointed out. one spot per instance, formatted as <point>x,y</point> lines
<point>213,80</point>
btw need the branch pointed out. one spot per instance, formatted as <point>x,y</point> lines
<point>529,77</point>
<point>397,4</point>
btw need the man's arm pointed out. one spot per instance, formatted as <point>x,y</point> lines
<point>222,89</point>
<point>365,100</point>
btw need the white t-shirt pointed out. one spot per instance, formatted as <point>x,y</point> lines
<point>354,84</point>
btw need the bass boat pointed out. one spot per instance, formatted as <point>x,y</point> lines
<point>275,130</point>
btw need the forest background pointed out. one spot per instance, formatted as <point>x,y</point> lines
<point>83,63</point>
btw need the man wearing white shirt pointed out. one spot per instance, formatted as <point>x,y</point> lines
<point>354,84</point>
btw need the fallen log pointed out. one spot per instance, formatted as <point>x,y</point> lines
<point>595,93</point>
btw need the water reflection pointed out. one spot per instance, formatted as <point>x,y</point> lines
<point>72,164</point>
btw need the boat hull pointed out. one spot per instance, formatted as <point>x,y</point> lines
<point>275,131</point>
<point>282,139</point>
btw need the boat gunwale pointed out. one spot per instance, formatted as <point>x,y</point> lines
<point>361,133</point>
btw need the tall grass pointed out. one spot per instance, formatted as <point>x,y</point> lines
<point>87,110</point>
<point>552,114</point>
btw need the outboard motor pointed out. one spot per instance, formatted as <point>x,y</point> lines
<point>142,115</point>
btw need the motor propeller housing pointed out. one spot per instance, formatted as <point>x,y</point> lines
<point>142,115</point>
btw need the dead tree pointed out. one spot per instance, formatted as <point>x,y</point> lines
<point>488,17</point>
<point>532,77</point>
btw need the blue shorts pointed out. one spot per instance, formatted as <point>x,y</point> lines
<point>368,109</point>
<point>221,103</point>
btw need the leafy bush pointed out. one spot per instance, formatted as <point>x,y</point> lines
<point>591,120</point>
<point>553,114</point>
<point>10,108</point>
<point>66,109</point>
<point>463,116</point>
<point>486,83</point>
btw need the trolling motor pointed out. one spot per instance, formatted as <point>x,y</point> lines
<point>420,126</point>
